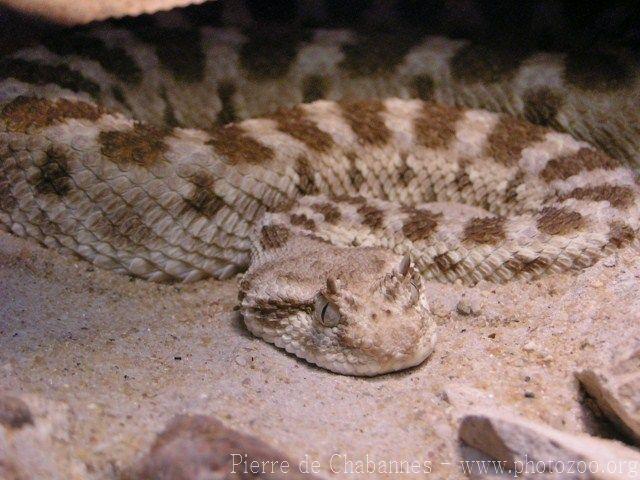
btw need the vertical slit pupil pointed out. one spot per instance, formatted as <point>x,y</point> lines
<point>324,309</point>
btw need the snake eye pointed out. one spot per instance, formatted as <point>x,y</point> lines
<point>326,313</point>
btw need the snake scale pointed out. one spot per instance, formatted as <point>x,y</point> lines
<point>322,164</point>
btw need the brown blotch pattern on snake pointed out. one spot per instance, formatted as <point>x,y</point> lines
<point>330,212</point>
<point>620,197</point>
<point>273,236</point>
<point>301,220</point>
<point>559,221</point>
<point>522,265</point>
<point>372,217</point>
<point>306,176</point>
<point>435,125</point>
<point>294,122</point>
<point>366,121</point>
<point>143,145</point>
<point>233,143</point>
<point>420,224</point>
<point>350,199</point>
<point>203,198</point>
<point>584,160</point>
<point>53,175</point>
<point>122,226</point>
<point>23,113</point>
<point>509,137</point>
<point>488,230</point>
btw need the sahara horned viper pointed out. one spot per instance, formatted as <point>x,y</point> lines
<point>128,148</point>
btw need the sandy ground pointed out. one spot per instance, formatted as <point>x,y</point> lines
<point>125,356</point>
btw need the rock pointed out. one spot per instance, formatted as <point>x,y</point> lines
<point>539,450</point>
<point>464,398</point>
<point>468,306</point>
<point>196,447</point>
<point>463,307</point>
<point>534,348</point>
<point>34,440</point>
<point>616,390</point>
<point>14,413</point>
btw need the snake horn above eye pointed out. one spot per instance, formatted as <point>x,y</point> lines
<point>405,263</point>
<point>333,285</point>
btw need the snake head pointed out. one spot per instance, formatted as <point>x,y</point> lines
<point>355,311</point>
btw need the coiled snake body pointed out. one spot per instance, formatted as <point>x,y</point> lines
<point>111,149</point>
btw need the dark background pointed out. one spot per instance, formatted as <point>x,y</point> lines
<point>548,25</point>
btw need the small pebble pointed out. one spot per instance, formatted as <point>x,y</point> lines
<point>468,306</point>
<point>463,307</point>
<point>14,412</point>
<point>241,361</point>
<point>529,395</point>
<point>610,261</point>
